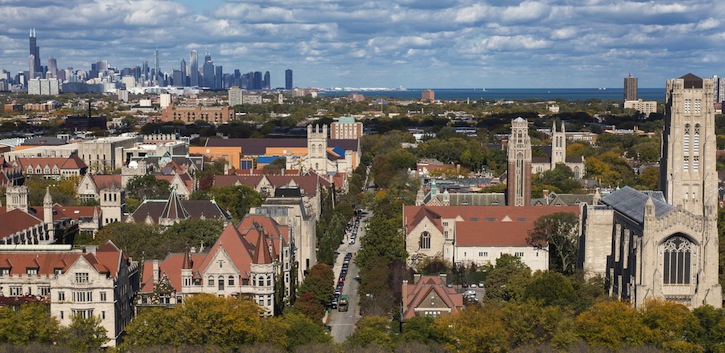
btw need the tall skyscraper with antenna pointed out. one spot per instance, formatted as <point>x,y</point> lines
<point>36,70</point>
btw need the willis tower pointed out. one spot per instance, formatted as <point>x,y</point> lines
<point>36,70</point>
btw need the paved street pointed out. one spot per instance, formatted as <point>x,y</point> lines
<point>343,323</point>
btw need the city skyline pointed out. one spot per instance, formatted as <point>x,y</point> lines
<point>441,44</point>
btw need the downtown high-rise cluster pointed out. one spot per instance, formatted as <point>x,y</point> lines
<point>204,74</point>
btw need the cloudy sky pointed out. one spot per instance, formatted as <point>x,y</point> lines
<point>384,43</point>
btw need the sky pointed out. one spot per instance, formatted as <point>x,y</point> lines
<point>383,43</point>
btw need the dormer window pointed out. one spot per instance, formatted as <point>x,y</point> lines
<point>31,271</point>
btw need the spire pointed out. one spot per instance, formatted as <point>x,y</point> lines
<point>187,263</point>
<point>261,251</point>
<point>47,200</point>
<point>174,209</point>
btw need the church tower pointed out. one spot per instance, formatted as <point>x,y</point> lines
<point>112,205</point>
<point>17,197</point>
<point>317,148</point>
<point>687,169</point>
<point>518,186</point>
<point>558,145</point>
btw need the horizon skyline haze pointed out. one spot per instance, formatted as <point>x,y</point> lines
<point>395,43</point>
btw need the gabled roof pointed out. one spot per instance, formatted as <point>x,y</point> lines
<point>107,181</point>
<point>107,259</point>
<point>630,203</point>
<point>15,221</point>
<point>196,209</point>
<point>484,225</point>
<point>426,287</point>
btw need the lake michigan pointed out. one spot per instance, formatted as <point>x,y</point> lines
<point>489,94</point>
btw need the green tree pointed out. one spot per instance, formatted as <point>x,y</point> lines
<point>372,330</point>
<point>148,187</point>
<point>309,306</point>
<point>30,323</point>
<point>475,329</point>
<point>507,280</point>
<point>551,289</point>
<point>84,334</point>
<point>673,326</point>
<point>612,324</point>
<point>418,329</point>
<point>300,331</point>
<point>320,282</point>
<point>152,327</point>
<point>559,230</point>
<point>138,240</point>
<point>192,232</point>
<point>712,321</point>
<point>235,199</point>
<point>531,325</point>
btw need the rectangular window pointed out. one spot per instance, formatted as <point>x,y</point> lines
<point>483,253</point>
<point>16,291</point>
<point>82,277</point>
<point>103,315</point>
<point>688,104</point>
<point>696,162</point>
<point>44,291</point>
<point>61,296</point>
<point>519,254</point>
<point>698,105</point>
<point>4,272</point>
<point>82,296</point>
<point>61,315</point>
<point>103,296</point>
<point>31,271</point>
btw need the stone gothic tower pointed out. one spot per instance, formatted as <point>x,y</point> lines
<point>687,169</point>
<point>17,197</point>
<point>558,145</point>
<point>317,148</point>
<point>112,200</point>
<point>518,186</point>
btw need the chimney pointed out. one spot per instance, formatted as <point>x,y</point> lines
<point>545,193</point>
<point>156,270</point>
<point>444,277</point>
<point>416,278</point>
<point>405,295</point>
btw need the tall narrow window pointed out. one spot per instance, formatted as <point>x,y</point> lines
<point>696,140</point>
<point>425,240</point>
<point>686,163</point>
<point>676,262</point>
<point>688,104</point>
<point>686,141</point>
<point>696,163</point>
<point>698,105</point>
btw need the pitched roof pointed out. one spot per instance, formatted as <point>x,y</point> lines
<point>72,162</point>
<point>15,221</point>
<point>196,209</point>
<point>107,259</point>
<point>424,288</point>
<point>173,208</point>
<point>107,181</point>
<point>484,225</point>
<point>630,202</point>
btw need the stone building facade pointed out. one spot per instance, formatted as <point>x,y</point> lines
<point>664,244</point>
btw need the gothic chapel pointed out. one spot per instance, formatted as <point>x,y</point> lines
<point>664,244</point>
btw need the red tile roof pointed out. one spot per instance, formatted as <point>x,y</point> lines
<point>15,221</point>
<point>485,225</point>
<point>107,181</point>
<point>107,259</point>
<point>423,288</point>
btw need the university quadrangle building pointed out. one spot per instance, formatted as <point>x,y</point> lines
<point>664,244</point>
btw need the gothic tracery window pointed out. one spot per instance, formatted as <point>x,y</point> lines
<point>425,240</point>
<point>677,261</point>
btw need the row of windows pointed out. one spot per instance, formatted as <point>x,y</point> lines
<point>689,106</point>
<point>80,296</point>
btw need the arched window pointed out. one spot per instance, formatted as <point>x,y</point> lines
<point>231,280</point>
<point>269,281</point>
<point>221,282</point>
<point>254,281</point>
<point>210,281</point>
<point>425,240</point>
<point>696,140</point>
<point>677,262</point>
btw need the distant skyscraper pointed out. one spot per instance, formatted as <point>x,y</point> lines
<point>218,75</point>
<point>288,83</point>
<point>257,80</point>
<point>184,74</point>
<point>157,73</point>
<point>194,69</point>
<point>630,88</point>
<point>266,82</point>
<point>36,70</point>
<point>719,88</point>
<point>208,72</point>
<point>52,68</point>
